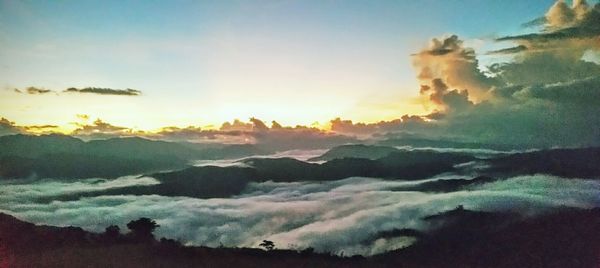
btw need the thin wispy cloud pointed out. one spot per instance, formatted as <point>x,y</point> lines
<point>104,91</point>
<point>86,90</point>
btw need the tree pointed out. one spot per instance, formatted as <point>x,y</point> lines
<point>112,231</point>
<point>268,245</point>
<point>142,228</point>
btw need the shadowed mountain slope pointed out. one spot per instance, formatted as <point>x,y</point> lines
<point>457,238</point>
<point>571,163</point>
<point>355,151</point>
<point>60,156</point>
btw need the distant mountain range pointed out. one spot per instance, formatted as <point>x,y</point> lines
<point>60,156</point>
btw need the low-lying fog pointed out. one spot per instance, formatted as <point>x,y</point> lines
<point>337,216</point>
<point>302,155</point>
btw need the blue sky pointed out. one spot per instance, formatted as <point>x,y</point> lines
<point>204,62</point>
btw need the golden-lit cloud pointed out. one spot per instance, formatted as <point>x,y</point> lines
<point>448,61</point>
<point>544,95</point>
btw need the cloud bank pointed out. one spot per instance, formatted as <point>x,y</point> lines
<point>546,95</point>
<point>336,216</point>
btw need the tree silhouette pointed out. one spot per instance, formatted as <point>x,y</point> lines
<point>112,231</point>
<point>268,245</point>
<point>142,228</point>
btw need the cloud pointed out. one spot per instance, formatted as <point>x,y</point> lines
<point>33,90</point>
<point>345,215</point>
<point>449,61</point>
<point>561,22</point>
<point>92,90</point>
<point>40,129</point>
<point>100,129</point>
<point>8,127</point>
<point>276,138</point>
<point>105,91</point>
<point>544,96</point>
<point>84,117</point>
<point>510,50</point>
<point>443,97</point>
<point>583,92</point>
<point>554,54</point>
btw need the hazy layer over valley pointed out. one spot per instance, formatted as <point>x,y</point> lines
<point>328,205</point>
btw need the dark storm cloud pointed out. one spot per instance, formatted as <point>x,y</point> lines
<point>579,92</point>
<point>580,21</point>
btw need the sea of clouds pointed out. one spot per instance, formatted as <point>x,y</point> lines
<point>338,216</point>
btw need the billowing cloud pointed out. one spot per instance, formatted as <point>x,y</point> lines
<point>441,95</point>
<point>449,61</point>
<point>562,22</point>
<point>544,96</point>
<point>555,54</point>
<point>104,91</point>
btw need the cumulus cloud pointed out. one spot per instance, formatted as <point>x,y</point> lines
<point>345,215</point>
<point>441,95</point>
<point>544,96</point>
<point>579,21</point>
<point>449,61</point>
<point>555,54</point>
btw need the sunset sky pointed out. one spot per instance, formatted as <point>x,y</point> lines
<point>205,62</point>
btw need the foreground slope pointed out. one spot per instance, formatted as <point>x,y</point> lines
<point>456,238</point>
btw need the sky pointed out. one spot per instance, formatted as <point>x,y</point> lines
<point>205,62</point>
